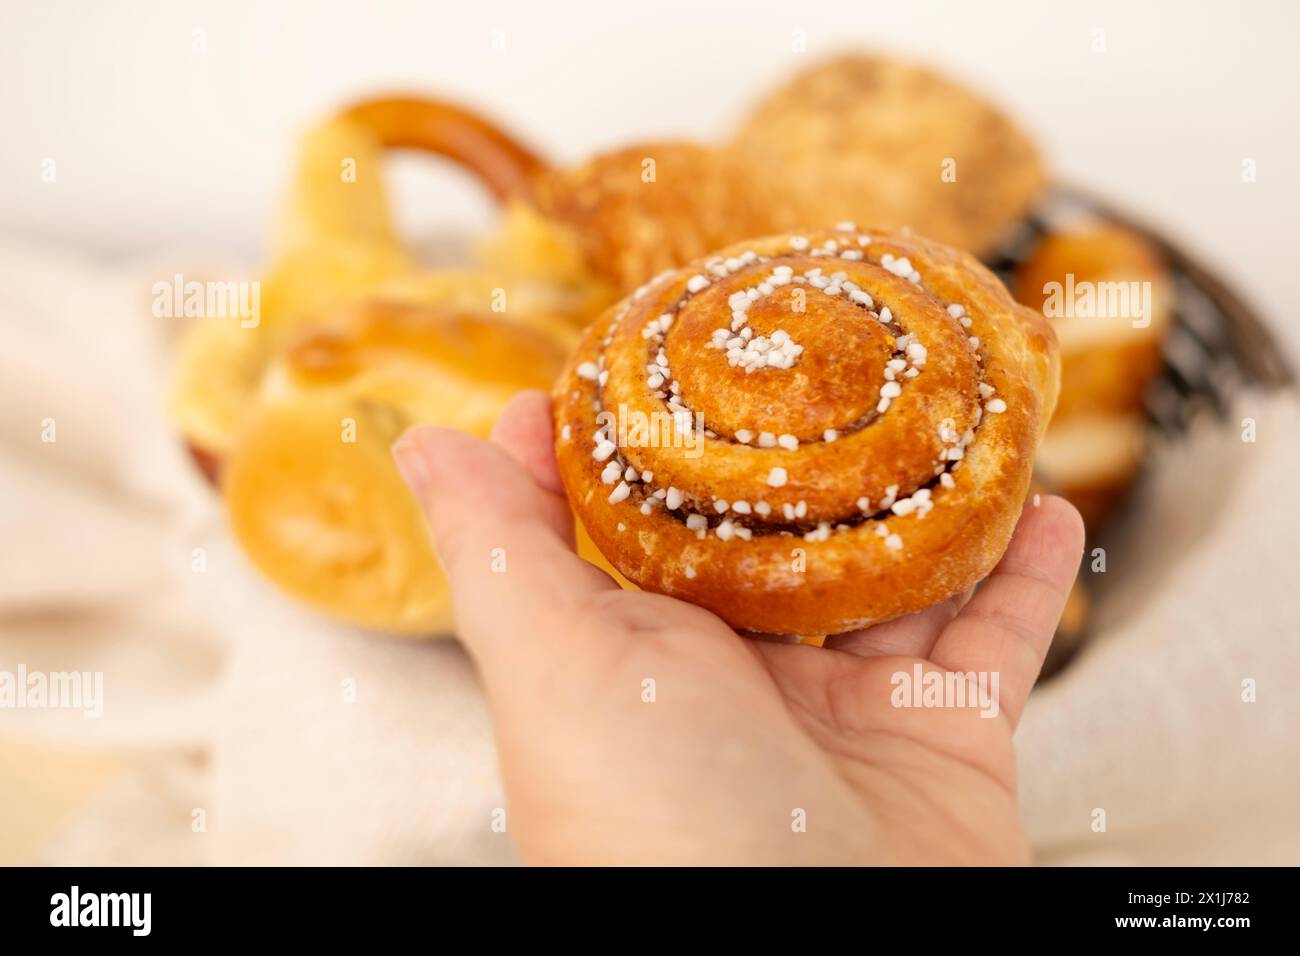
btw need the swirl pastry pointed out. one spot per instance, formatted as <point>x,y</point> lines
<point>808,433</point>
<point>884,141</point>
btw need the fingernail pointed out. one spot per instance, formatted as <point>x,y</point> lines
<point>412,466</point>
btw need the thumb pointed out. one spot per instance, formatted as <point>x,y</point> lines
<point>503,539</point>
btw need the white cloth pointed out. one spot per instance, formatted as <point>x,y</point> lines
<point>1150,723</point>
<point>242,728</point>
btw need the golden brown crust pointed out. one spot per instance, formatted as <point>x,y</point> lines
<point>866,138</point>
<point>1107,360</point>
<point>310,488</point>
<point>1093,460</point>
<point>935,412</point>
<point>648,207</point>
<point>504,164</point>
<point>1108,295</point>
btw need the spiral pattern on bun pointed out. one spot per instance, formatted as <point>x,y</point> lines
<point>808,433</point>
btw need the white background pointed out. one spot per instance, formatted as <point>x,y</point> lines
<point>159,147</point>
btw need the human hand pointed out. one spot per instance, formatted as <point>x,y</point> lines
<point>745,751</point>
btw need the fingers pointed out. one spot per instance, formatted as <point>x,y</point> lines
<point>1007,626</point>
<point>524,431</point>
<point>910,636</point>
<point>504,539</point>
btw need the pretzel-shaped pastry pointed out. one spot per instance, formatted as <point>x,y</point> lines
<point>505,165</point>
<point>808,433</point>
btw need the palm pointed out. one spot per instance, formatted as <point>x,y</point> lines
<point>940,781</point>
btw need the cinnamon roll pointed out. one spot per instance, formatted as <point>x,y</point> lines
<point>881,140</point>
<point>808,433</point>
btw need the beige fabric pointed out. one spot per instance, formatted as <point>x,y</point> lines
<point>1150,724</point>
<point>240,728</point>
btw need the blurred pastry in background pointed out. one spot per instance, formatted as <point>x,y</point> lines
<point>867,138</point>
<point>598,229</point>
<point>536,305</point>
<point>1083,279</point>
<point>1094,460</point>
<point>334,241</point>
<point>311,490</point>
<point>1109,297</point>
<point>504,165</point>
<point>638,211</point>
<point>891,144</point>
<point>535,253</point>
<point>293,415</point>
<point>335,247</point>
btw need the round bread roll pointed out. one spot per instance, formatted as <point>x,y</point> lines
<point>1093,460</point>
<point>1108,295</point>
<point>808,433</point>
<point>879,140</point>
<point>312,493</point>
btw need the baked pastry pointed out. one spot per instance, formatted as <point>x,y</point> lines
<point>1107,293</point>
<point>631,227</point>
<point>503,163</point>
<point>1109,298</point>
<point>855,137</point>
<point>605,225</point>
<point>879,140</point>
<point>1093,460</point>
<point>335,247</point>
<point>353,337</point>
<point>334,242</point>
<point>808,433</point>
<point>310,488</point>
